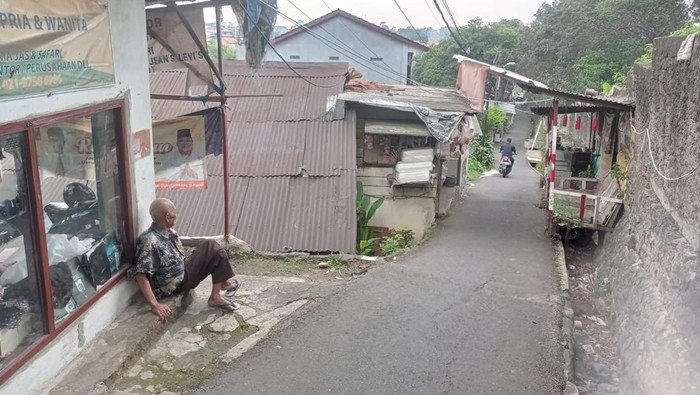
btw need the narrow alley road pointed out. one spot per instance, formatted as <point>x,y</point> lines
<point>471,311</point>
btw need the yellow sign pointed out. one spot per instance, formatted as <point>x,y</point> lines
<point>179,148</point>
<point>53,46</point>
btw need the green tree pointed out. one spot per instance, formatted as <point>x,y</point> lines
<point>421,35</point>
<point>579,44</point>
<point>488,42</point>
<point>227,52</point>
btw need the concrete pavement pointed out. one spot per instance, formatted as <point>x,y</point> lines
<point>474,310</point>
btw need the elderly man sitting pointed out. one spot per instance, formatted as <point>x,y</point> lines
<point>161,268</point>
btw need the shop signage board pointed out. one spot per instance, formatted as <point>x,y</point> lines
<point>51,46</point>
<point>170,45</point>
<point>179,147</point>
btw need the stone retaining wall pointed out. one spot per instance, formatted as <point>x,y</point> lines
<point>648,267</point>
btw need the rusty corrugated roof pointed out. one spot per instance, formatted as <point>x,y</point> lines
<point>273,206</point>
<point>316,146</point>
<point>610,102</point>
<point>291,97</point>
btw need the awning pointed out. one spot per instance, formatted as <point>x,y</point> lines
<point>607,102</point>
<point>396,128</point>
<point>440,124</point>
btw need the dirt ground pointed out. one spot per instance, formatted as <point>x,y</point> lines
<point>309,268</point>
<point>596,361</point>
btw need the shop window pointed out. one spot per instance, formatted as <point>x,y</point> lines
<point>70,171</point>
<point>81,197</point>
<point>385,150</point>
<point>22,318</point>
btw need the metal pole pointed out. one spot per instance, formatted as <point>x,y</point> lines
<point>224,127</point>
<point>158,96</point>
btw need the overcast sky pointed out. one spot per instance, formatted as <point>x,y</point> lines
<point>421,12</point>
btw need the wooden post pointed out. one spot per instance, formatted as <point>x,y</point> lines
<point>582,208</point>
<point>553,157</point>
<point>596,208</point>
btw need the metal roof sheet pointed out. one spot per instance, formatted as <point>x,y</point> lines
<point>269,149</point>
<point>437,99</point>
<point>292,98</point>
<point>501,72</point>
<point>608,102</point>
<point>272,207</point>
<point>275,214</point>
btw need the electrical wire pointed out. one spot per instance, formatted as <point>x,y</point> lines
<point>330,44</point>
<point>351,54</point>
<point>420,36</point>
<point>647,138</point>
<point>356,37</point>
<point>452,17</point>
<point>450,14</point>
<point>452,33</point>
<point>338,42</point>
<point>267,41</point>
<point>432,12</point>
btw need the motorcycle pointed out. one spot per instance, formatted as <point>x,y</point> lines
<point>505,166</point>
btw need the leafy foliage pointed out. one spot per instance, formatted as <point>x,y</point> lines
<point>365,212</point>
<point>396,241</point>
<point>489,42</point>
<point>497,119</point>
<point>579,44</point>
<point>476,169</point>
<point>227,52</point>
<point>689,28</point>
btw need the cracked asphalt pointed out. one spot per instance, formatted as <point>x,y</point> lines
<point>474,310</point>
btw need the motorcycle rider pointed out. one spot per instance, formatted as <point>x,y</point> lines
<point>508,149</point>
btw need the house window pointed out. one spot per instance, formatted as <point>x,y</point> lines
<point>385,150</point>
<point>65,226</point>
<point>376,59</point>
<point>334,58</point>
<point>295,57</point>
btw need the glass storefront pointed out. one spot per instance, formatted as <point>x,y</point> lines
<point>22,318</point>
<point>79,181</point>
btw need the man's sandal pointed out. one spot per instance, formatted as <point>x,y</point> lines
<point>226,306</point>
<point>231,292</point>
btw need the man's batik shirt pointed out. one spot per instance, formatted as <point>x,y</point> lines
<point>160,256</point>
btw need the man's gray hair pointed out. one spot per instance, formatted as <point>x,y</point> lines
<point>159,208</point>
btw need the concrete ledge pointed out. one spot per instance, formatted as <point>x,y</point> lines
<point>117,348</point>
<point>567,320</point>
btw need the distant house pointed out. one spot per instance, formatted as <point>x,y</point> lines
<point>379,54</point>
